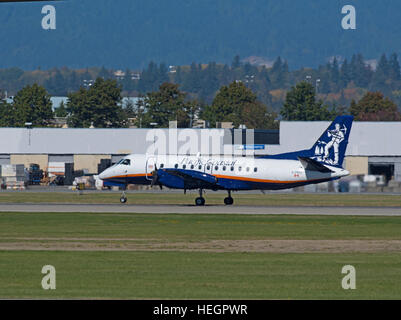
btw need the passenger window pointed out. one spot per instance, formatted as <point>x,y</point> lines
<point>162,166</point>
<point>232,168</point>
<point>199,167</point>
<point>239,168</point>
<point>184,166</point>
<point>208,168</point>
<point>247,169</point>
<point>224,168</point>
<point>192,166</point>
<point>216,168</point>
<point>176,166</point>
<point>255,169</point>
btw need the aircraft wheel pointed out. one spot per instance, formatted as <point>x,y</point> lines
<point>123,199</point>
<point>228,201</point>
<point>200,201</point>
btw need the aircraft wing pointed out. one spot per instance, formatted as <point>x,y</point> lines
<point>185,179</point>
<point>313,165</point>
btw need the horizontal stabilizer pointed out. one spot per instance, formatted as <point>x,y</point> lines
<point>313,165</point>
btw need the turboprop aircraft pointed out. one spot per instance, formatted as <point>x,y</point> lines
<point>323,162</point>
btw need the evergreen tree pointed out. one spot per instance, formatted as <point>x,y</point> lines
<point>61,110</point>
<point>127,82</point>
<point>279,73</point>
<point>56,85</point>
<point>236,62</point>
<point>237,104</point>
<point>381,75</point>
<point>99,105</point>
<point>301,105</point>
<point>345,74</point>
<point>360,72</point>
<point>73,81</point>
<point>104,73</point>
<point>166,104</point>
<point>226,76</point>
<point>32,104</point>
<point>209,82</point>
<point>178,77</point>
<point>152,77</point>
<point>6,114</point>
<point>394,68</point>
<point>192,80</point>
<point>163,74</point>
<point>335,75</point>
<point>262,86</point>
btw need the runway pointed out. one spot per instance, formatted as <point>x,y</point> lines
<point>208,209</point>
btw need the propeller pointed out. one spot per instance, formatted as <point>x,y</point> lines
<point>155,179</point>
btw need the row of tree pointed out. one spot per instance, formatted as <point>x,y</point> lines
<point>101,106</point>
<point>301,104</point>
<point>337,82</point>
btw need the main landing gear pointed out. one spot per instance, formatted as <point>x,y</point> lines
<point>229,200</point>
<point>200,201</point>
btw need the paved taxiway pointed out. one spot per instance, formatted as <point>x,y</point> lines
<point>191,209</point>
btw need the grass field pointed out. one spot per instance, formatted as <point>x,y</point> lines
<point>271,199</point>
<point>199,256</point>
<point>166,275</point>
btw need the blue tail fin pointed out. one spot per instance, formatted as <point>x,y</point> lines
<point>331,146</point>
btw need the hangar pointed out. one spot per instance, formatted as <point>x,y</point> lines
<point>374,147</point>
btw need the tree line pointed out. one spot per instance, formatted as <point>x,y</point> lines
<point>337,82</point>
<point>101,106</point>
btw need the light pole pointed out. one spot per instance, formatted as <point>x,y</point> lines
<point>140,116</point>
<point>317,85</point>
<point>28,125</point>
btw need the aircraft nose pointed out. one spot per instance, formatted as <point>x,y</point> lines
<point>104,174</point>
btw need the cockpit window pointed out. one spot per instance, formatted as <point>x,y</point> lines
<point>125,162</point>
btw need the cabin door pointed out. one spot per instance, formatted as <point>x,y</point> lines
<point>150,167</point>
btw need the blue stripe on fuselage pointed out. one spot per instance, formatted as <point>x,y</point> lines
<point>222,183</point>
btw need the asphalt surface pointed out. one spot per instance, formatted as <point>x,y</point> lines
<point>208,209</point>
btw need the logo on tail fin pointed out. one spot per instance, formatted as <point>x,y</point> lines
<point>331,146</point>
<point>322,149</point>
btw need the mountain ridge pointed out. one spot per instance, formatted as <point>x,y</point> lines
<point>130,33</point>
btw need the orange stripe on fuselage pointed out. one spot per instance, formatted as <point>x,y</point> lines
<point>258,180</point>
<point>130,176</point>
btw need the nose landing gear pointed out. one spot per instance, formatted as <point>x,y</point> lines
<point>123,198</point>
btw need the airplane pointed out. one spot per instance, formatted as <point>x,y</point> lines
<point>321,163</point>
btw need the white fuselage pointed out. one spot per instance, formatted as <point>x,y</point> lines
<point>259,173</point>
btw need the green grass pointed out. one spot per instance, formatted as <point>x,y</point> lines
<point>166,275</point>
<point>290,199</point>
<point>196,227</point>
<point>197,275</point>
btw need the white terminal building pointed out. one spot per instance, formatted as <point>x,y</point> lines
<point>374,147</point>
